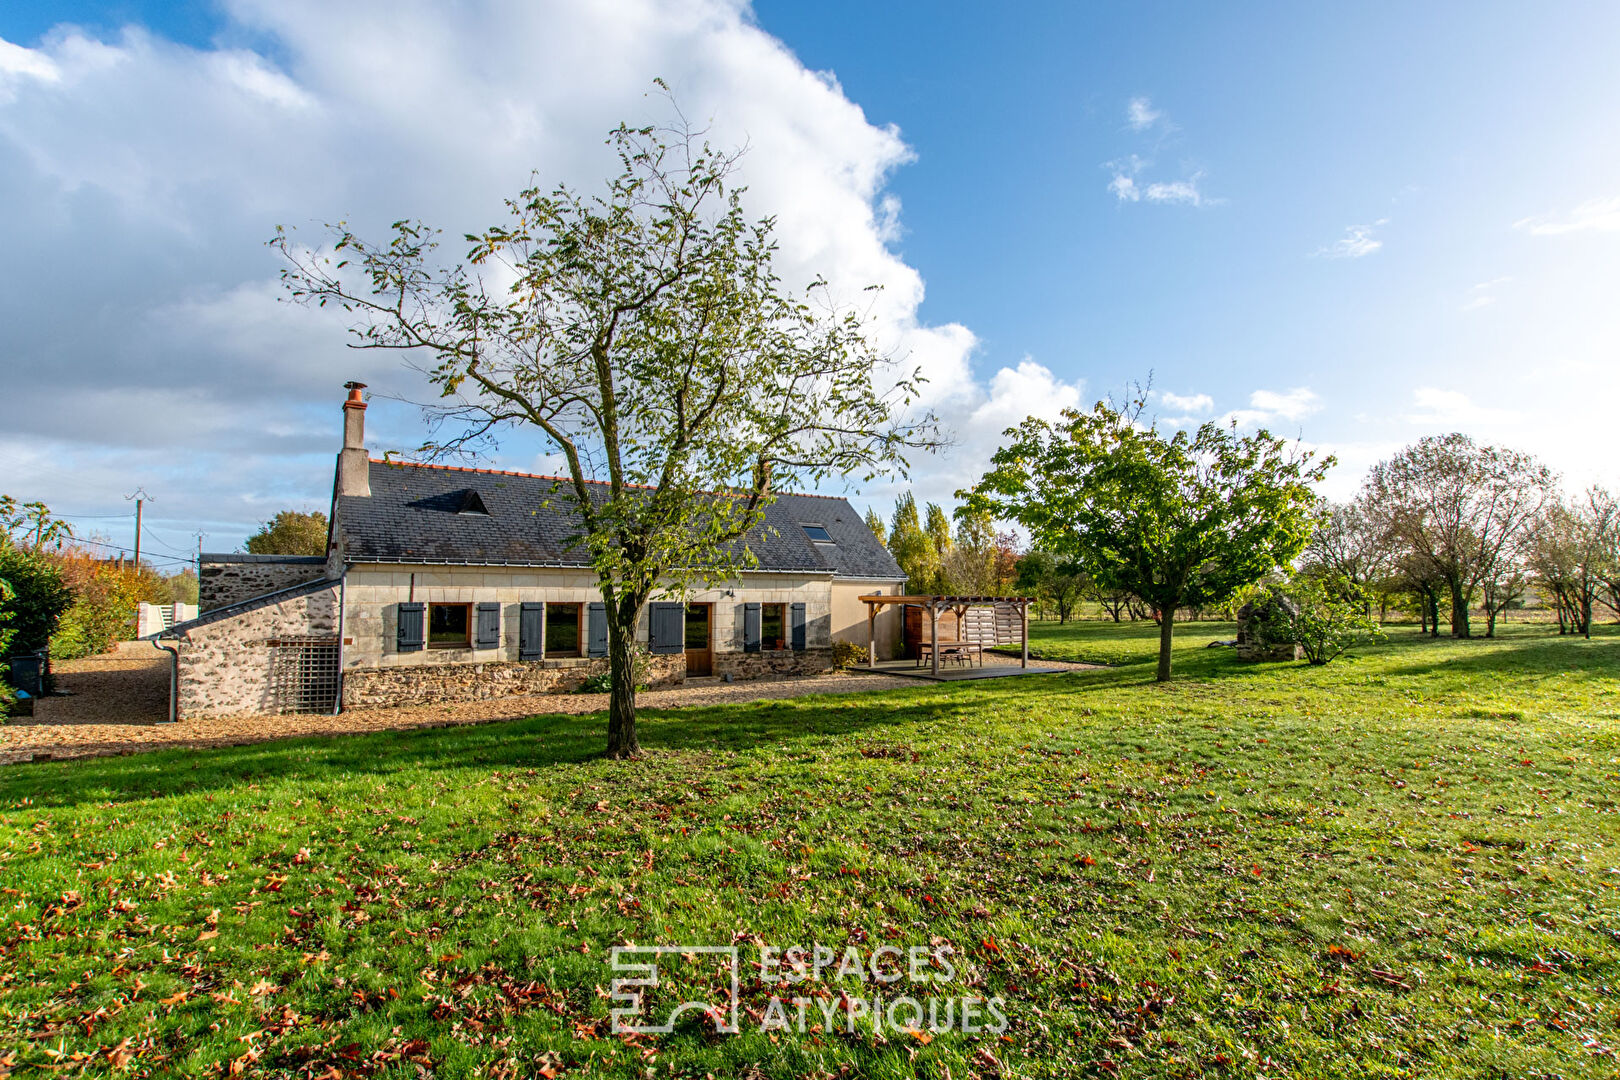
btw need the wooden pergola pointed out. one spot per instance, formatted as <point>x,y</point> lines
<point>935,605</point>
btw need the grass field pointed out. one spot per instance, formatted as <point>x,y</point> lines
<point>1404,864</point>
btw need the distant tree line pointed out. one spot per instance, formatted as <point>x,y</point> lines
<point>1447,528</point>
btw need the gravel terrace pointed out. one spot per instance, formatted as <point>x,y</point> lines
<point>118,703</point>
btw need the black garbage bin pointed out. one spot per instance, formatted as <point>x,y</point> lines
<point>28,673</point>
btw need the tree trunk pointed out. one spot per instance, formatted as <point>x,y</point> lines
<point>622,740</point>
<point>1459,611</point>
<point>1166,634</point>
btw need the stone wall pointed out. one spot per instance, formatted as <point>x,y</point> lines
<point>773,663</point>
<point>376,688</point>
<point>230,579</point>
<point>225,665</point>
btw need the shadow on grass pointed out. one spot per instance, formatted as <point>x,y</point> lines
<point>1532,652</point>
<point>536,742</point>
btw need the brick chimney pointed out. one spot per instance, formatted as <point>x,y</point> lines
<point>353,468</point>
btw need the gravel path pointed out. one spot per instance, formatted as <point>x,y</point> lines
<point>119,703</point>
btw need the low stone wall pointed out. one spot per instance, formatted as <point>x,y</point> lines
<point>377,688</point>
<point>764,665</point>
<point>230,579</point>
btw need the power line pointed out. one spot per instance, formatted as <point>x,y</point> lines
<point>163,546</point>
<point>120,548</point>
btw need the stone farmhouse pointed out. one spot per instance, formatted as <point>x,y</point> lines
<point>443,583</point>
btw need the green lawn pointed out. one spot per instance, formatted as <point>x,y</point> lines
<point>1404,864</point>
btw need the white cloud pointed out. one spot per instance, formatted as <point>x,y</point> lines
<point>1188,403</point>
<point>1357,242</point>
<point>1595,215</point>
<point>1177,191</point>
<point>173,165</point>
<point>1483,294</point>
<point>1271,406</point>
<point>1141,114</point>
<point>16,61</point>
<point>1450,410</point>
<point>1125,187</point>
<point>1295,404</point>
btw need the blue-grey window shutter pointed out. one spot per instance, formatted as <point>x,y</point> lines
<point>596,627</point>
<point>666,628</point>
<point>531,631</point>
<point>796,621</point>
<point>489,625</point>
<point>409,637</point>
<point>750,627</point>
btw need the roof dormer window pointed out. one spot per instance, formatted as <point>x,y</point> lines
<point>818,534</point>
<point>472,503</point>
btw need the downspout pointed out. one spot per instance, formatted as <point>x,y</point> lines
<point>174,679</point>
<point>343,581</point>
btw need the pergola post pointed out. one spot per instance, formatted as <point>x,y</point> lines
<point>871,636</point>
<point>1023,610</point>
<point>933,633</point>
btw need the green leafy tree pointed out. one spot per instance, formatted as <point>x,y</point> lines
<point>291,532</point>
<point>645,334</point>
<point>1327,616</point>
<point>970,563</point>
<point>31,524</point>
<point>874,521</point>
<point>910,546</point>
<point>1177,522</point>
<point>1058,581</point>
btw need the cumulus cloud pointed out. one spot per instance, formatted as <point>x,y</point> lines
<point>981,415</point>
<point>1449,410</point>
<point>1356,243</point>
<point>1193,404</point>
<point>1595,215</point>
<point>1271,406</point>
<point>163,168</point>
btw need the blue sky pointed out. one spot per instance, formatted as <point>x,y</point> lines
<point>1357,225</point>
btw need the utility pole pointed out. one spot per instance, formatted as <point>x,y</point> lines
<point>140,497</point>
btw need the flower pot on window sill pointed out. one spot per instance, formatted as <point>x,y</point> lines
<point>779,645</point>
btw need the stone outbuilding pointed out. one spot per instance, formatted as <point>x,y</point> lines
<point>443,583</point>
<point>1254,640</point>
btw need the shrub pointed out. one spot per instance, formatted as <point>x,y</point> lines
<point>847,654</point>
<point>6,694</point>
<point>38,598</point>
<point>1328,619</point>
<point>104,603</point>
<point>602,681</point>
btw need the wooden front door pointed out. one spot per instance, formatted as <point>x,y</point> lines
<point>699,639</point>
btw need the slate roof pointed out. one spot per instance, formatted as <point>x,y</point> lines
<point>417,514</point>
